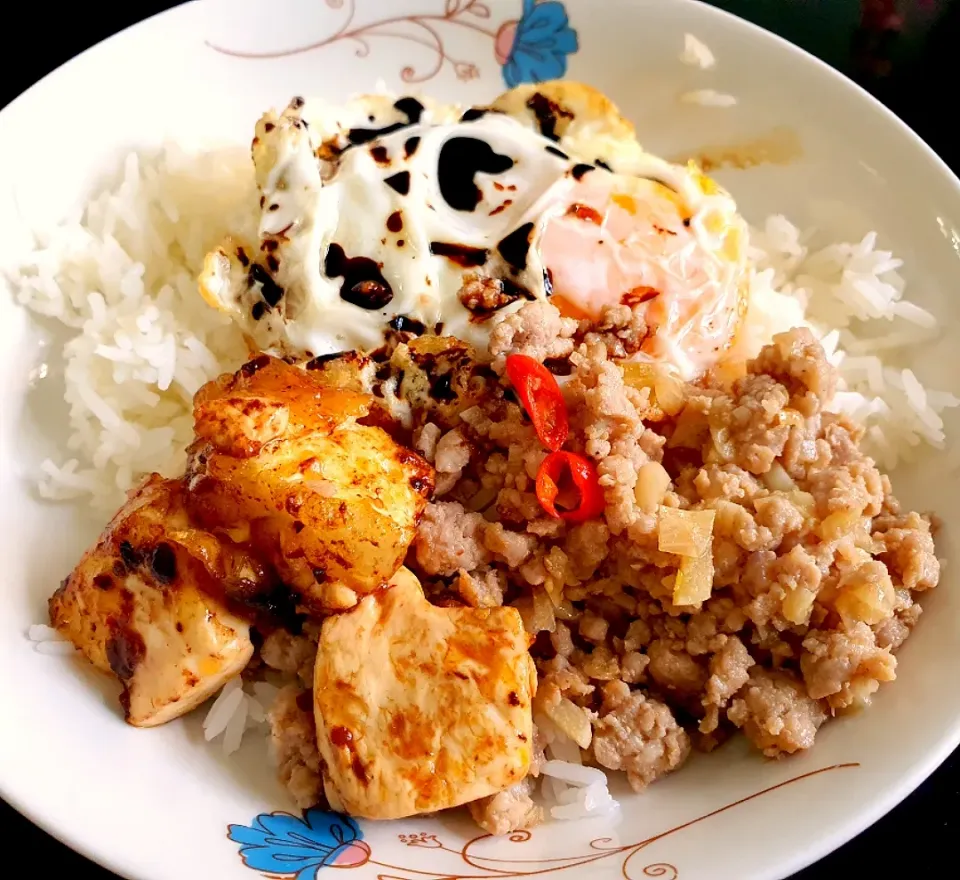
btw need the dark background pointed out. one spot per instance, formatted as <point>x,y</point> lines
<point>903,52</point>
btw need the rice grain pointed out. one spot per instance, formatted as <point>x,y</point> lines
<point>55,648</point>
<point>696,53</point>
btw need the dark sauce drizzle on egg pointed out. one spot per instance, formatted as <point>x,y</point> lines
<point>473,114</point>
<point>399,182</point>
<point>515,247</point>
<point>363,282</point>
<point>270,292</point>
<point>461,159</point>
<point>411,108</point>
<point>461,254</point>
<point>548,114</point>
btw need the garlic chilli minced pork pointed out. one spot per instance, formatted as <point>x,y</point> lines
<point>386,214</point>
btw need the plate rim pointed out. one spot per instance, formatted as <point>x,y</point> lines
<point>786,862</point>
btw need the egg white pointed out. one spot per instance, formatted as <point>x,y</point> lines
<point>320,191</point>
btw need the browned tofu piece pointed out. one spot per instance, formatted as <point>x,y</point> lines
<point>268,400</point>
<point>144,604</point>
<point>331,503</point>
<point>420,708</point>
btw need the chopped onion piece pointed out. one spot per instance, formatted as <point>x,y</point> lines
<point>869,598</point>
<point>255,712</point>
<point>778,480</point>
<point>722,443</point>
<point>694,582</point>
<point>572,721</point>
<point>40,632</point>
<point>524,605</point>
<point>652,484</point>
<point>669,390</point>
<point>543,619</point>
<point>639,374</point>
<point>686,532</point>
<point>233,734</point>
<point>598,798</point>
<point>566,611</point>
<point>666,389</point>
<point>803,501</point>
<point>265,693</point>
<point>838,524</point>
<point>691,430</point>
<point>798,604</point>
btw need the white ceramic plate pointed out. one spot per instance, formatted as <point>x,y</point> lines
<point>156,805</point>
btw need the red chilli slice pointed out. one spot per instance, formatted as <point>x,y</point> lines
<point>583,478</point>
<point>541,398</point>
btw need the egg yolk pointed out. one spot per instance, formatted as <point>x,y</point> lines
<point>633,242</point>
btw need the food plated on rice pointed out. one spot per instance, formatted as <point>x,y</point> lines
<point>527,459</point>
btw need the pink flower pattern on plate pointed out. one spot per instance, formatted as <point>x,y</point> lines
<point>531,48</point>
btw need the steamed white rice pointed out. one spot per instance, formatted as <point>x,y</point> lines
<point>852,297</point>
<point>708,98</point>
<point>696,53</point>
<point>568,789</point>
<point>124,278</point>
<point>46,640</point>
<point>238,707</point>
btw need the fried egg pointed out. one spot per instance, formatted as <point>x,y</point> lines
<point>386,215</point>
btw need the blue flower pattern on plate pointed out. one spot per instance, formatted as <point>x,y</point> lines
<point>542,40</point>
<point>278,843</point>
